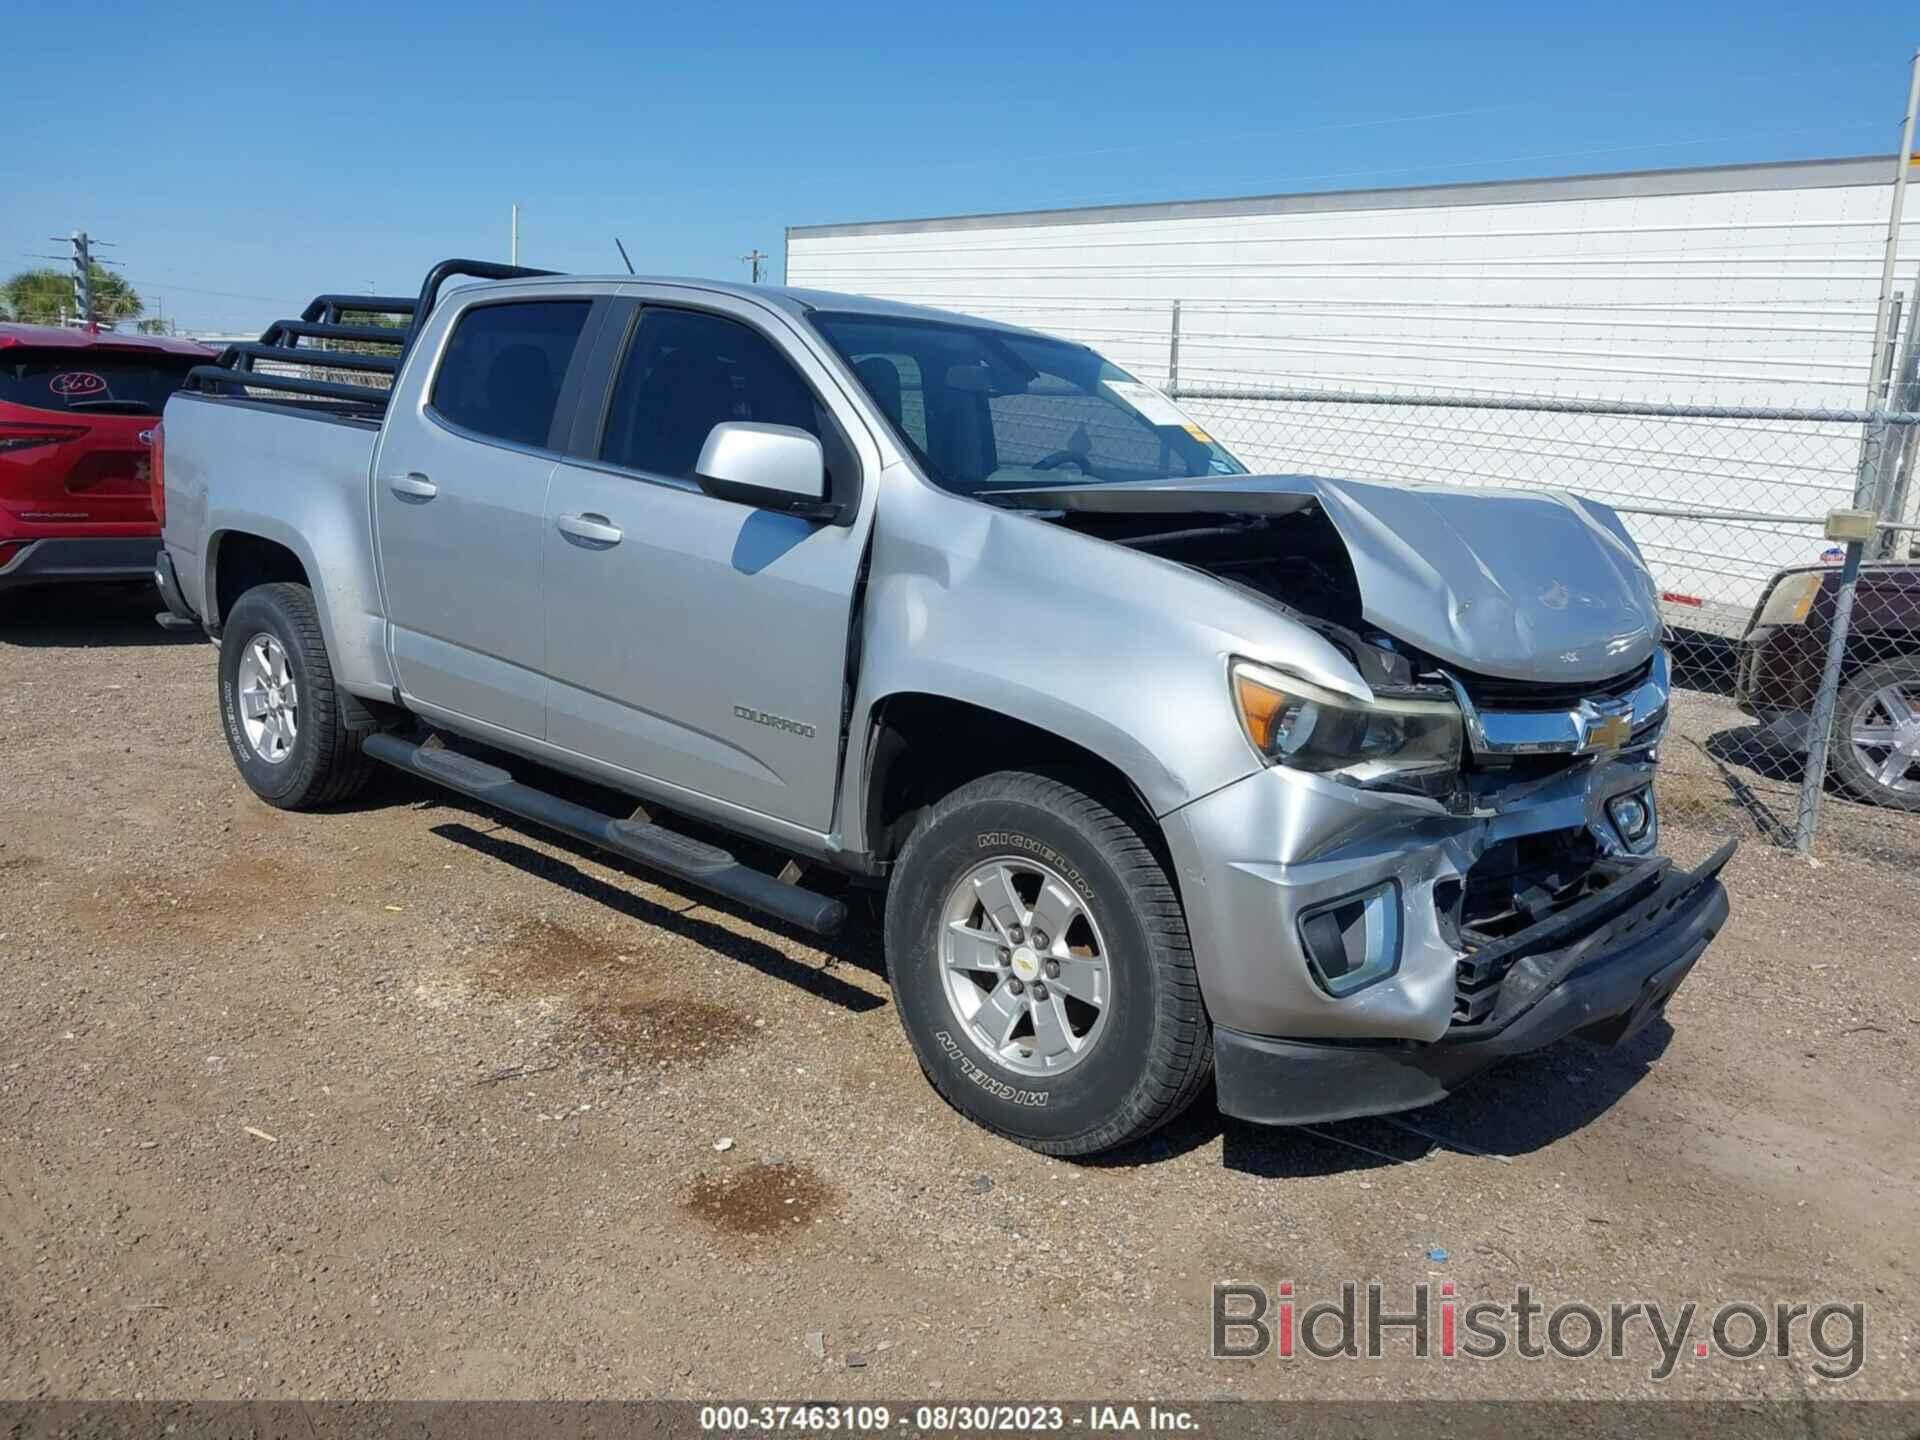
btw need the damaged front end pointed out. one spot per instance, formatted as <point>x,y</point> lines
<point>1456,863</point>
<point>1518,630</point>
<point>1603,965</point>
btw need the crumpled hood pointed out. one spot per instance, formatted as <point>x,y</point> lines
<point>1522,584</point>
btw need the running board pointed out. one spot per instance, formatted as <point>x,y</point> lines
<point>693,861</point>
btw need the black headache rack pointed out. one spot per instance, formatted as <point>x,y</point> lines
<point>309,360</point>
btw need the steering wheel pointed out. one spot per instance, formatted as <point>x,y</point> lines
<point>1064,457</point>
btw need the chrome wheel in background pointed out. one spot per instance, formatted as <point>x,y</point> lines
<point>1885,735</point>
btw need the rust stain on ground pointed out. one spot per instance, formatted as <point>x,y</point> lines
<point>227,902</point>
<point>622,1010</point>
<point>539,957</point>
<point>636,1031</point>
<point>759,1199</point>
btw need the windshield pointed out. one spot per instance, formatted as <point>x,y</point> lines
<point>97,380</point>
<point>985,409</point>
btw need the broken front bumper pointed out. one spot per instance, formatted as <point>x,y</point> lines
<point>1602,968</point>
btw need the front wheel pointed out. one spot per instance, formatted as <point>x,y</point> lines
<point>1040,963</point>
<point>1876,734</point>
<point>292,734</point>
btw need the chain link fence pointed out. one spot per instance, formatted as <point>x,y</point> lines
<point>1795,634</point>
<point>1725,357</point>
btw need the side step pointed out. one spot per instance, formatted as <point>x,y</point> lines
<point>706,866</point>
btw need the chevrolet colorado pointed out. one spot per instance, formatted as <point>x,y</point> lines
<point>1333,791</point>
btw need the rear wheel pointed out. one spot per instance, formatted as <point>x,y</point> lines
<point>1876,734</point>
<point>1041,967</point>
<point>294,737</point>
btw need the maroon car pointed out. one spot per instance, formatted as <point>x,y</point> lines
<point>78,414</point>
<point>1875,751</point>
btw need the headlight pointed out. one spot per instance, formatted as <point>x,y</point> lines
<point>1385,742</point>
<point>1789,602</point>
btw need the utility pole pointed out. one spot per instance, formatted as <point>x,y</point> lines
<point>83,277</point>
<point>80,246</point>
<point>514,250</point>
<point>1877,374</point>
<point>753,258</point>
<point>1886,310</point>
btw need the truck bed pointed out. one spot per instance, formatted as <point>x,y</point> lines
<point>283,471</point>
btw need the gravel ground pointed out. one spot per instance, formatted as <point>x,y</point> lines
<point>401,1101</point>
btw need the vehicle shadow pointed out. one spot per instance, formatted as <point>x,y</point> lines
<point>858,942</point>
<point>1749,747</point>
<point>498,842</point>
<point>1516,1108</point>
<point>86,617</point>
<point>1519,1107</point>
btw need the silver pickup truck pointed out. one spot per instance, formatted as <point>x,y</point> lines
<point>1331,791</point>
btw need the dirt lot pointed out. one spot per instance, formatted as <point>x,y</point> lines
<point>401,1101</point>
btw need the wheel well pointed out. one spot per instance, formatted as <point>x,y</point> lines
<point>922,747</point>
<point>244,561</point>
<point>1872,646</point>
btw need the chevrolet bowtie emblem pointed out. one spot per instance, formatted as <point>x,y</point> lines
<point>1609,732</point>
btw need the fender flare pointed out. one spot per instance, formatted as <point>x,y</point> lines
<point>1083,729</point>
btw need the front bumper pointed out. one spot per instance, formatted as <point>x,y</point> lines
<point>58,561</point>
<point>1778,669</point>
<point>1603,969</point>
<point>1255,857</point>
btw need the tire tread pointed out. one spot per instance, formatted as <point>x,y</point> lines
<point>1180,1063</point>
<point>337,769</point>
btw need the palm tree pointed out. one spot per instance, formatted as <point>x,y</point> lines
<point>45,297</point>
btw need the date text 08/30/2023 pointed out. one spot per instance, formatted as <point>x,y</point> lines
<point>937,1419</point>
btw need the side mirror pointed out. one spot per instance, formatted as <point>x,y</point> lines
<point>771,467</point>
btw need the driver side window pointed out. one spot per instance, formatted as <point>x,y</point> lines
<point>686,372</point>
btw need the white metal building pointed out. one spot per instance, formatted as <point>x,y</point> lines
<point>1741,285</point>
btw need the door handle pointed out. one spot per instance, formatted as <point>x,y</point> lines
<point>413,483</point>
<point>592,527</point>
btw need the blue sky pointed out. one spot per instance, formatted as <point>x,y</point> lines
<point>246,157</point>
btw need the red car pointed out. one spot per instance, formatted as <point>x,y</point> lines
<point>77,418</point>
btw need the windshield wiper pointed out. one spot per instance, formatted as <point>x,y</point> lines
<point>1018,498</point>
<point>1046,497</point>
<point>1197,532</point>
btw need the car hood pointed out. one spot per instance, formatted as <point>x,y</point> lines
<point>1521,584</point>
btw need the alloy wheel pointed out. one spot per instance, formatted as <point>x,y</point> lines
<point>269,699</point>
<point>1024,966</point>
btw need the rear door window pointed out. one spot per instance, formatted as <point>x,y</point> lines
<point>90,382</point>
<point>500,376</point>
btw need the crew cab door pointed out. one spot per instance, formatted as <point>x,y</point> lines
<point>459,495</point>
<point>695,641</point>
